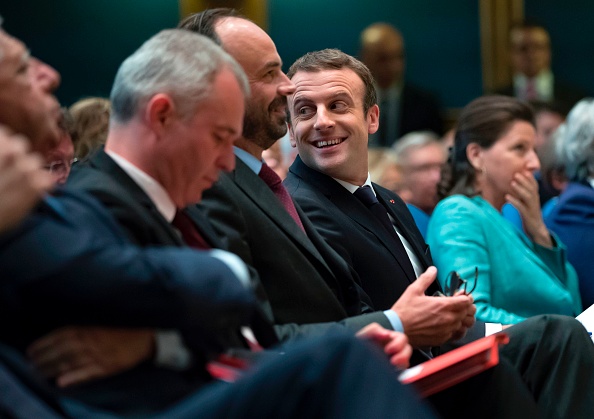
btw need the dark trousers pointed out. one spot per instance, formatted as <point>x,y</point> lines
<point>555,357</point>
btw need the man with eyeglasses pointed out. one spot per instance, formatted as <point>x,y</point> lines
<point>59,159</point>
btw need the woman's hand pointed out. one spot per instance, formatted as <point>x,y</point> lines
<point>525,198</point>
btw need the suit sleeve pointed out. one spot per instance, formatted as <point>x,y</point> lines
<point>227,219</point>
<point>83,270</point>
<point>458,244</point>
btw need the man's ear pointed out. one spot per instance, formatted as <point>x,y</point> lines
<point>373,119</point>
<point>160,111</point>
<point>291,135</point>
<point>474,154</point>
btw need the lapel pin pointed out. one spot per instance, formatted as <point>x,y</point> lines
<point>391,201</point>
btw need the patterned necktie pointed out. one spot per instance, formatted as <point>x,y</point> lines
<point>275,184</point>
<point>367,197</point>
<point>189,232</point>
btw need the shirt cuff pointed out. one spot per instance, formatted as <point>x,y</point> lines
<point>171,351</point>
<point>492,328</point>
<point>394,320</point>
<point>234,263</point>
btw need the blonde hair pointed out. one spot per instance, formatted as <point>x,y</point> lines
<point>91,123</point>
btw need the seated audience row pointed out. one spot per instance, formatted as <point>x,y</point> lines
<point>304,284</point>
<point>94,276</point>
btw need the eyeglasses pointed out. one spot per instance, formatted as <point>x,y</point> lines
<point>60,167</point>
<point>454,282</point>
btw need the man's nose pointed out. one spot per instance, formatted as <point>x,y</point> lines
<point>46,75</point>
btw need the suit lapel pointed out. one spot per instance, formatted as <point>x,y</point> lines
<point>352,207</point>
<point>396,211</point>
<point>106,164</point>
<point>257,191</point>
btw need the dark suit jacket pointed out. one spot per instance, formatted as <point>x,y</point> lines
<point>572,219</point>
<point>358,236</point>
<point>136,213</point>
<point>70,263</point>
<point>419,111</point>
<point>101,177</point>
<point>305,280</point>
<point>564,95</point>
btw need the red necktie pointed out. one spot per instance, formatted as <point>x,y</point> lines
<point>189,232</point>
<point>275,184</point>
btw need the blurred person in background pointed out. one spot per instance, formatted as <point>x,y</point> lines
<point>403,107</point>
<point>572,218</point>
<point>91,123</point>
<point>421,156</point>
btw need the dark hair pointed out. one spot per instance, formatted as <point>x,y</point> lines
<point>204,22</point>
<point>540,106</point>
<point>483,121</point>
<point>334,59</point>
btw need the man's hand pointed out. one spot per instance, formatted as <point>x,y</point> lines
<point>74,355</point>
<point>395,344</point>
<point>23,181</point>
<point>468,321</point>
<point>432,321</point>
<point>525,199</point>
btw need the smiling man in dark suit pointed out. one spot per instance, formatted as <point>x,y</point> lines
<point>332,110</point>
<point>71,262</point>
<point>306,280</point>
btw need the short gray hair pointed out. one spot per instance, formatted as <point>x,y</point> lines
<point>176,62</point>
<point>575,141</point>
<point>415,139</point>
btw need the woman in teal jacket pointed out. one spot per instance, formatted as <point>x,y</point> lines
<point>493,162</point>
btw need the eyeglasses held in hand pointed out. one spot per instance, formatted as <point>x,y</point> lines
<point>454,283</point>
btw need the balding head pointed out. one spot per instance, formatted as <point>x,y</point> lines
<point>382,50</point>
<point>265,118</point>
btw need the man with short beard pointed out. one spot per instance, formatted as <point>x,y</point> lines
<point>306,282</point>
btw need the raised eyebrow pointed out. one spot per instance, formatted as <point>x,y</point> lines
<point>298,101</point>
<point>341,94</point>
<point>271,65</point>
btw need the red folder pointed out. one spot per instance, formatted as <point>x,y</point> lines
<point>455,366</point>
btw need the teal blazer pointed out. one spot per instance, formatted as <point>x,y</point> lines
<point>517,278</point>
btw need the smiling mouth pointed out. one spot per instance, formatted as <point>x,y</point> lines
<point>327,143</point>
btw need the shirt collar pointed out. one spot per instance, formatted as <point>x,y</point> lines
<point>157,194</point>
<point>352,188</point>
<point>252,162</point>
<point>591,181</point>
<point>543,82</point>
